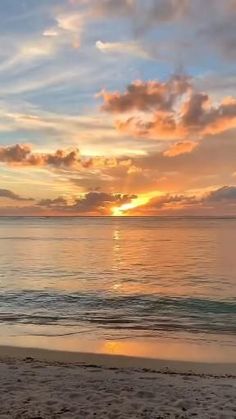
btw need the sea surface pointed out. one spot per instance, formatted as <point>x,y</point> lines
<point>155,287</point>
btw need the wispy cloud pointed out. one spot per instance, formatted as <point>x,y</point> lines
<point>181,147</point>
<point>124,48</point>
<point>65,33</point>
<point>68,30</point>
<point>6,193</point>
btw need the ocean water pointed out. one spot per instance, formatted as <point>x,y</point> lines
<point>160,287</point>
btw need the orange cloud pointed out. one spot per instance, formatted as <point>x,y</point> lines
<point>23,155</point>
<point>165,203</point>
<point>162,126</point>
<point>146,96</point>
<point>199,114</point>
<point>180,148</point>
<point>221,201</point>
<point>217,202</point>
<point>169,110</point>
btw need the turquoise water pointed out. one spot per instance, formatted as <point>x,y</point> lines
<point>140,280</point>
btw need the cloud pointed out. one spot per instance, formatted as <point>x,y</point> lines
<point>169,110</point>
<point>165,204</point>
<point>92,131</point>
<point>70,22</point>
<point>224,194</point>
<point>220,34</point>
<point>200,114</point>
<point>111,8</point>
<point>142,15</point>
<point>210,163</point>
<point>57,203</point>
<point>50,32</point>
<point>214,155</point>
<point>92,203</point>
<point>68,29</point>
<point>131,48</point>
<point>158,12</point>
<point>22,155</point>
<point>25,51</point>
<point>35,49</point>
<point>218,202</point>
<point>146,96</point>
<point>5,193</point>
<point>195,34</point>
<point>216,29</point>
<point>69,160</point>
<point>221,201</point>
<point>180,148</point>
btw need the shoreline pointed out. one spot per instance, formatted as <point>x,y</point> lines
<point>117,361</point>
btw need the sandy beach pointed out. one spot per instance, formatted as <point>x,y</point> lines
<point>43,384</point>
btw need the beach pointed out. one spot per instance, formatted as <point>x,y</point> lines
<point>43,384</point>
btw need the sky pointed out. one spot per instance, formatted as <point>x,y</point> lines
<point>118,107</point>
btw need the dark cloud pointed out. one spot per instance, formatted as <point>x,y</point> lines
<point>92,203</point>
<point>203,27</point>
<point>22,155</point>
<point>15,154</point>
<point>224,194</point>
<point>221,35</point>
<point>154,12</point>
<point>143,14</point>
<point>112,8</point>
<point>101,202</point>
<point>6,193</point>
<point>56,203</point>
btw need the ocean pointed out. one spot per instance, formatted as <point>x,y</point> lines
<point>153,287</point>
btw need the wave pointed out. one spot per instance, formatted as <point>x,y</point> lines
<point>143,313</point>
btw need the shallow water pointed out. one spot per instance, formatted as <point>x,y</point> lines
<point>142,286</point>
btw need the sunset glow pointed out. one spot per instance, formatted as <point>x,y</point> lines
<point>123,209</point>
<point>105,107</point>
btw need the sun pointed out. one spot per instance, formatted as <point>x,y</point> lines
<point>121,211</point>
<point>143,199</point>
<point>117,212</point>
